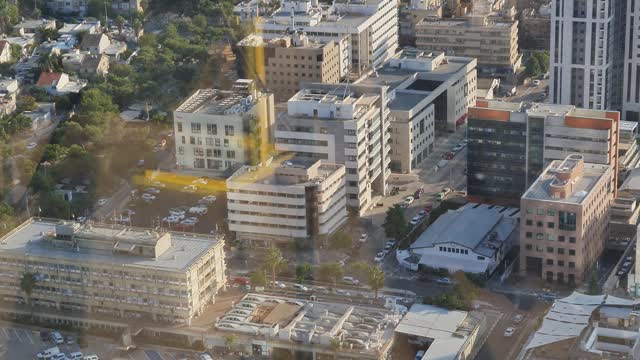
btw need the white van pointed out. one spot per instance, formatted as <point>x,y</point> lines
<point>47,354</point>
<point>57,337</point>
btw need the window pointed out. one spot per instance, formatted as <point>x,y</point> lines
<point>560,262</point>
<point>480,257</point>
<point>549,261</point>
<point>209,141</point>
<point>198,152</point>
<point>551,225</point>
<point>217,142</point>
<point>212,129</point>
<point>226,142</point>
<point>560,251</point>
<point>529,234</point>
<point>561,238</point>
<point>567,221</point>
<point>551,212</point>
<point>572,252</point>
<point>179,125</point>
<point>572,264</point>
<point>572,239</point>
<point>217,153</point>
<point>539,223</point>
<point>198,163</point>
<point>231,154</point>
<point>528,246</point>
<point>550,237</point>
<point>192,140</point>
<point>549,249</point>
<point>539,211</point>
<point>183,140</point>
<point>209,153</point>
<point>195,128</point>
<point>229,130</point>
<point>180,150</point>
<point>538,236</point>
<point>529,222</point>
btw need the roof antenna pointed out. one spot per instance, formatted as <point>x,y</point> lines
<point>293,18</point>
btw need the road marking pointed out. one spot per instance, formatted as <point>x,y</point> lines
<point>17,335</point>
<point>29,336</point>
<point>6,334</point>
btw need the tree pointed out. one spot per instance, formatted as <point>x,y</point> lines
<point>375,279</point>
<point>593,288</point>
<point>26,103</point>
<point>258,278</point>
<point>8,15</point>
<point>395,225</point>
<point>330,272</point>
<point>340,240</point>
<point>120,23</point>
<point>304,272</point>
<point>543,60</point>
<point>231,341</point>
<point>16,52</point>
<point>274,261</point>
<point>532,66</point>
<point>27,284</point>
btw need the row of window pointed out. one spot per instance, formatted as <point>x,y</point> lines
<point>212,129</point>
<point>550,250</point>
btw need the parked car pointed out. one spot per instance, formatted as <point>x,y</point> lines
<point>415,220</point>
<point>177,212</point>
<point>152,190</point>
<point>57,337</point>
<point>91,357</point>
<point>198,210</point>
<point>517,318</point>
<point>300,287</point>
<point>536,82</point>
<point>350,280</point>
<point>148,197</point>
<point>444,281</point>
<point>408,200</point>
<point>343,292</point>
<point>141,163</point>
<point>76,356</point>
<point>48,353</point>
<point>59,356</point>
<point>102,202</point>
<point>204,356</point>
<point>509,332</point>
<point>31,146</point>
<point>363,238</point>
<point>449,155</point>
<point>207,199</point>
<point>379,257</point>
<point>457,148</point>
<point>158,184</point>
<point>388,247</point>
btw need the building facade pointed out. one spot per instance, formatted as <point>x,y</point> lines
<point>429,93</point>
<point>286,201</point>
<point>346,124</point>
<point>289,60</point>
<point>564,220</point>
<point>493,41</point>
<point>413,13</point>
<point>534,28</point>
<point>82,6</point>
<point>112,271</point>
<point>510,144</point>
<point>371,25</point>
<point>213,127</point>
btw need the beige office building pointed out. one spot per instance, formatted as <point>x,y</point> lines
<point>111,272</point>
<point>493,41</point>
<point>565,220</point>
<point>283,63</point>
<point>287,201</point>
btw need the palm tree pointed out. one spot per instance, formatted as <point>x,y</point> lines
<point>231,341</point>
<point>273,261</point>
<point>375,279</point>
<point>27,284</point>
<point>120,23</point>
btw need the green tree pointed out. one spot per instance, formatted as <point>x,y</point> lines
<point>16,52</point>
<point>26,103</point>
<point>120,23</point>
<point>8,15</point>
<point>27,284</point>
<point>375,279</point>
<point>395,225</point>
<point>96,101</point>
<point>54,206</point>
<point>231,341</point>
<point>331,272</point>
<point>274,261</point>
<point>304,272</point>
<point>532,66</point>
<point>543,60</point>
<point>258,278</point>
<point>593,288</point>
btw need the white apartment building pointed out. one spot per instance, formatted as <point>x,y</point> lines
<point>109,271</point>
<point>372,26</point>
<point>426,91</point>
<point>212,127</point>
<point>343,124</point>
<point>285,200</point>
<point>82,6</point>
<point>586,59</point>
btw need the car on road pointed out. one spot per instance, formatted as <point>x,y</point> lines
<point>415,220</point>
<point>102,202</point>
<point>141,163</point>
<point>379,257</point>
<point>422,213</point>
<point>388,247</point>
<point>31,146</point>
<point>509,332</point>
<point>363,238</point>
<point>342,292</point>
<point>457,148</point>
<point>279,285</point>
<point>152,190</point>
<point>408,200</point>
<point>350,280</point>
<point>148,197</point>
<point>190,189</point>
<point>517,318</point>
<point>444,281</point>
<point>536,83</point>
<point>300,287</point>
<point>207,199</point>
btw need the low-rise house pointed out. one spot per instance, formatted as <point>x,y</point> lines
<point>474,239</point>
<point>7,105</point>
<point>63,44</point>
<point>95,43</point>
<point>87,26</point>
<point>115,50</point>
<point>25,42</point>
<point>72,61</point>
<point>9,87</point>
<point>5,51</point>
<point>59,83</point>
<point>95,64</point>
<point>42,115</point>
<point>8,93</point>
<point>33,26</point>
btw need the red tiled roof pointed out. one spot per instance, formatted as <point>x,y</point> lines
<point>47,78</point>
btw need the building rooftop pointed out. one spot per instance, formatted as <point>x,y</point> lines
<point>239,100</point>
<point>628,126</point>
<point>491,226</point>
<point>87,26</point>
<point>34,24</point>
<point>331,102</point>
<point>448,329</point>
<point>111,244</point>
<point>316,323</point>
<point>296,39</point>
<point>632,182</point>
<point>566,181</point>
<point>286,172</point>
